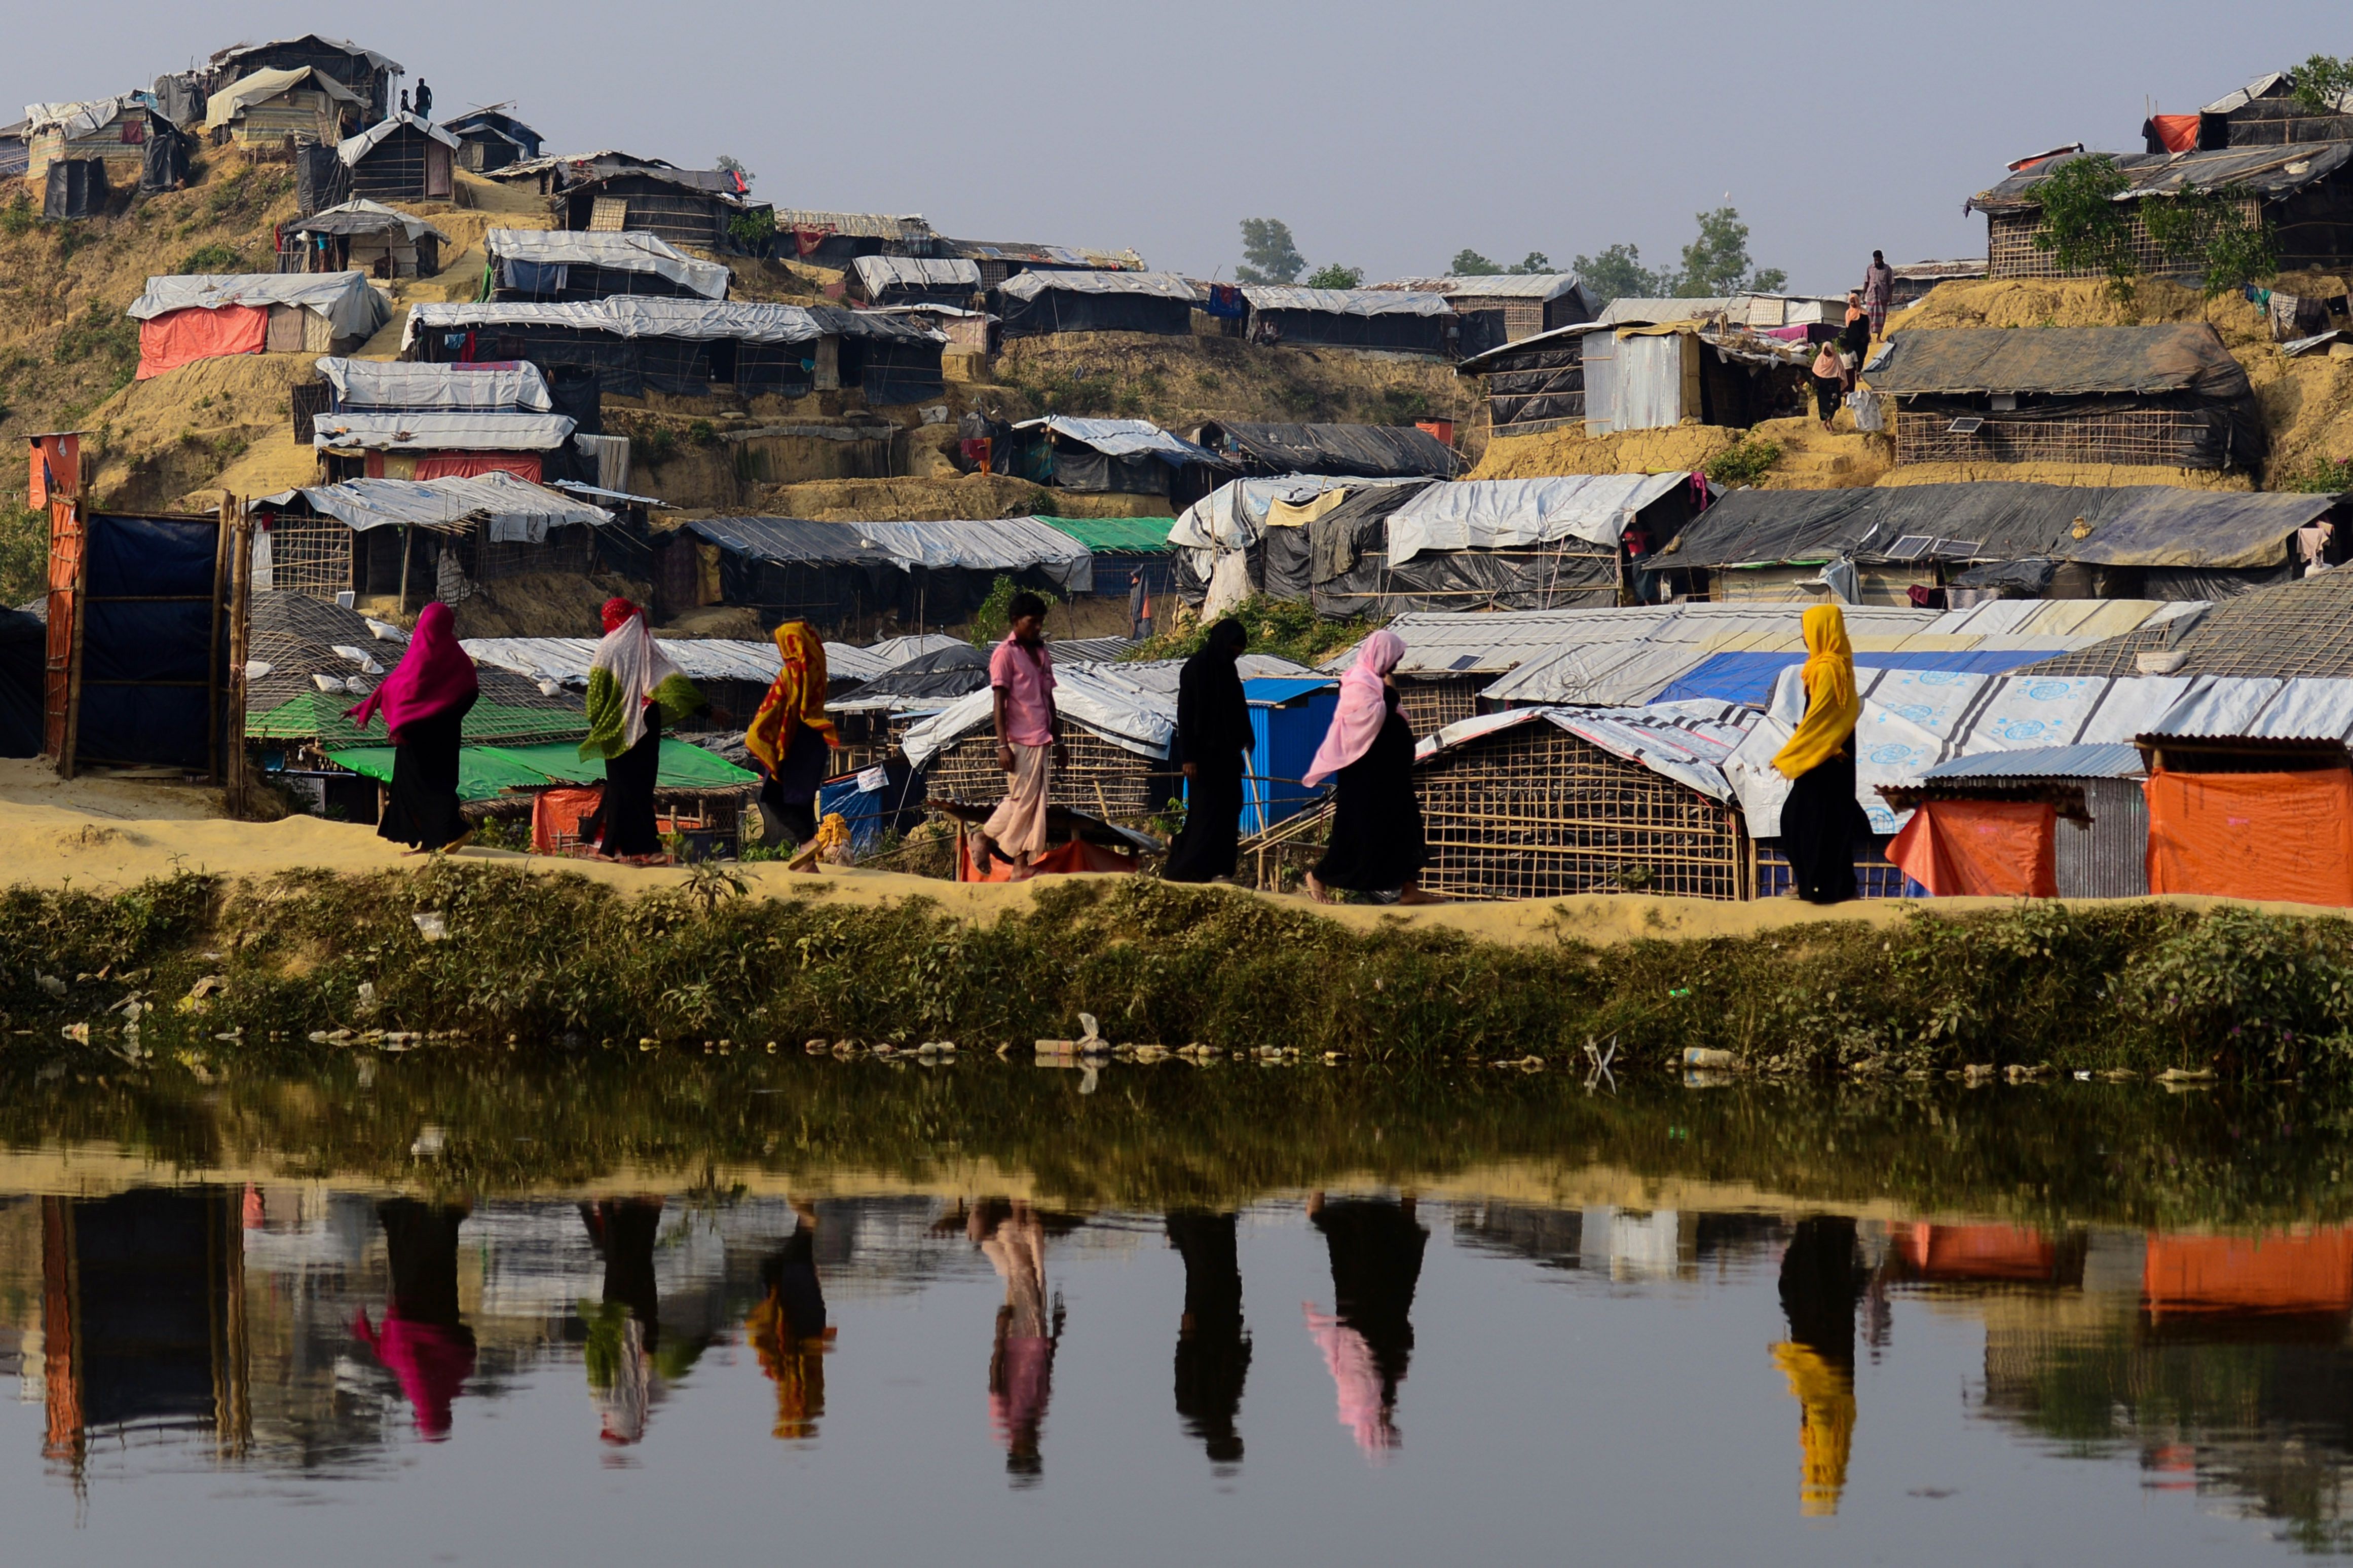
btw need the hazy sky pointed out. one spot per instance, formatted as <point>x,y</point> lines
<point>1388,136</point>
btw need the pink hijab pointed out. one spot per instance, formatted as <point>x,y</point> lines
<point>434,675</point>
<point>1363,707</point>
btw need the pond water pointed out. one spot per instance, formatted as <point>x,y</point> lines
<point>831,1313</point>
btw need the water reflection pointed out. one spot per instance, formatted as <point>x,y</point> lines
<point>1012,1237</point>
<point>424,1343</point>
<point>1368,1338</point>
<point>1213,1349</point>
<point>788,1329</point>
<point>1822,1281</point>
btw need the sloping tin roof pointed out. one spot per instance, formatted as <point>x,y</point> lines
<point>2178,357</point>
<point>2269,172</point>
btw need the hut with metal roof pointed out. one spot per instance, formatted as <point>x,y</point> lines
<point>1505,307</point>
<point>401,158</point>
<point>411,541</point>
<point>491,138</point>
<point>562,264</point>
<point>369,75</point>
<point>360,236</point>
<point>682,206</point>
<point>914,280</point>
<point>835,239</point>
<point>2067,822</point>
<point>1055,299</point>
<point>1393,320</point>
<point>2298,192</point>
<point>2167,395</point>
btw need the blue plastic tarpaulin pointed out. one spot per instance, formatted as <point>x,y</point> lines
<point>1749,678</point>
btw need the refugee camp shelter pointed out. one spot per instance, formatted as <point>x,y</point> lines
<point>433,444</point>
<point>1386,319</point>
<point>112,131</point>
<point>1903,544</point>
<point>1535,383</point>
<point>492,139</point>
<point>16,153</point>
<point>2254,808</point>
<point>732,675</point>
<point>835,239</point>
<point>1714,370</point>
<point>183,319</point>
<point>2264,113</point>
<point>560,265</point>
<point>1002,259</point>
<point>854,579</point>
<point>1065,300</point>
<point>360,236</point>
<point>681,206</point>
<point>914,280</point>
<point>1507,306</point>
<point>24,639</point>
<point>2301,194</point>
<point>411,541</point>
<point>2068,822</point>
<point>1118,735</point>
<point>2166,396</point>
<point>1548,802</point>
<point>553,174</point>
<point>401,158</point>
<point>274,108</point>
<point>1289,715</point>
<point>1125,550</point>
<point>2298,631</point>
<point>1133,456</point>
<point>1914,280</point>
<point>1371,451</point>
<point>369,75</point>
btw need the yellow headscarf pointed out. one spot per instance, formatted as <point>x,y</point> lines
<point>795,698</point>
<point>1831,703</point>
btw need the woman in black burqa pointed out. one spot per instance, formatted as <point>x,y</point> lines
<point>1213,737</point>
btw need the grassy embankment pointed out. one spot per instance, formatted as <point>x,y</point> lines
<point>565,969</point>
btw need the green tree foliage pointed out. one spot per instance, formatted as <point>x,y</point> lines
<point>728,165</point>
<point>993,619</point>
<point>2084,227</point>
<point>1331,275</point>
<point>208,258</point>
<point>24,552</point>
<point>1469,263</point>
<point>2087,230</point>
<point>1717,261</point>
<point>2322,84</point>
<point>2210,230</point>
<point>1532,264</point>
<point>1618,273</point>
<point>1269,253</point>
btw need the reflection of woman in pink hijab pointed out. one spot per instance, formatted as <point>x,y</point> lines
<point>1368,1341</point>
<point>423,1343</point>
<point>1376,844</point>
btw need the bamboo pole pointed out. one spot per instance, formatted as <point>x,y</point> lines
<point>240,633</point>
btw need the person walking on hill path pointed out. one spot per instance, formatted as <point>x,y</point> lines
<point>1830,379</point>
<point>1820,820</point>
<point>424,702</point>
<point>632,687</point>
<point>791,738</point>
<point>1028,735</point>
<point>1213,737</point>
<point>1376,843</point>
<point>1878,291</point>
<point>1854,339</point>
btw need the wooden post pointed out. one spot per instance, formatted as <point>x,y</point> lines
<point>212,647</point>
<point>73,667</point>
<point>240,618</point>
<point>407,548</point>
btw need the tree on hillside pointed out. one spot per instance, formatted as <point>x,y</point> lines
<point>1269,253</point>
<point>1331,275</point>
<point>1717,262</point>
<point>726,164</point>
<point>1534,263</point>
<point>1618,273</point>
<point>1469,263</point>
<point>2322,84</point>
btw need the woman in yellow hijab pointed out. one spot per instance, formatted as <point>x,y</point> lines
<point>1820,820</point>
<point>791,739</point>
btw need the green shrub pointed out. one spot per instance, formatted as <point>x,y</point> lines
<point>656,444</point>
<point>1744,462</point>
<point>993,619</point>
<point>24,553</point>
<point>104,335</point>
<point>211,259</point>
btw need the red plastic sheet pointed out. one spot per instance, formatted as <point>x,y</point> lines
<point>183,337</point>
<point>472,465</point>
<point>2175,132</point>
<point>1074,855</point>
<point>556,815</point>
<point>2288,836</point>
<point>2307,1273</point>
<point>1981,848</point>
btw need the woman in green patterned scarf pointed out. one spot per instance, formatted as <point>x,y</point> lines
<point>632,688</point>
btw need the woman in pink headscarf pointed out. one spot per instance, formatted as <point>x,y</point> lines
<point>1376,844</point>
<point>424,702</point>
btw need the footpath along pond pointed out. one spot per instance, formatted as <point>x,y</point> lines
<point>426,1310</point>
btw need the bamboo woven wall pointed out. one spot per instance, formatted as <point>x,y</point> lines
<point>1108,781</point>
<point>2011,252</point>
<point>2171,437</point>
<point>1534,812</point>
<point>1432,703</point>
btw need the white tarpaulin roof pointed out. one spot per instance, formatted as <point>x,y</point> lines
<point>1164,284</point>
<point>880,272</point>
<point>264,85</point>
<point>565,660</point>
<point>626,252</point>
<point>847,662</point>
<point>1124,438</point>
<point>629,316</point>
<point>1546,286</point>
<point>1495,642</point>
<point>361,215</point>
<point>1233,516</point>
<point>442,430</point>
<point>1492,514</point>
<point>1125,712</point>
<point>1686,741</point>
<point>352,148</point>
<point>353,308</point>
<point>998,544</point>
<point>513,510</point>
<point>367,383</point>
<point>1347,301</point>
<point>79,119</point>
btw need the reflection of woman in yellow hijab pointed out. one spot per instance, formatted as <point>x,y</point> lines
<point>1820,818</point>
<point>791,738</point>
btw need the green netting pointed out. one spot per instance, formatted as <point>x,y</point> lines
<point>487,771</point>
<point>1108,533</point>
<point>319,715</point>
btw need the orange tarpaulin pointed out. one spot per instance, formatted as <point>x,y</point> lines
<point>1985,848</point>
<point>1977,1251</point>
<point>556,815</point>
<point>1075,856</point>
<point>2308,1273</point>
<point>2175,132</point>
<point>2253,835</point>
<point>474,464</point>
<point>183,337</point>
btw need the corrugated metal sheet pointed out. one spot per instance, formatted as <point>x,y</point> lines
<point>450,430</point>
<point>1346,302</point>
<point>2108,858</point>
<point>2113,760</point>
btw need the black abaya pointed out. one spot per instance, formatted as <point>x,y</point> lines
<point>1819,823</point>
<point>421,810</point>
<point>1213,733</point>
<point>627,807</point>
<point>1376,843</point>
<point>788,795</point>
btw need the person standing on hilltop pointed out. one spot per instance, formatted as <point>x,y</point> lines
<point>1878,293</point>
<point>1028,734</point>
<point>424,99</point>
<point>632,687</point>
<point>424,702</point>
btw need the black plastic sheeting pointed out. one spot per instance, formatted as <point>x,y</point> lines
<point>2061,360</point>
<point>581,281</point>
<point>320,180</point>
<point>149,650</point>
<point>946,674</point>
<point>628,367</point>
<point>1339,330</point>
<point>76,188</point>
<point>2137,525</point>
<point>23,641</point>
<point>165,164</point>
<point>1367,451</point>
<point>1069,310</point>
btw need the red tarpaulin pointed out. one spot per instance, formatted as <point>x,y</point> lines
<point>2288,836</point>
<point>2174,132</point>
<point>1985,848</point>
<point>183,337</point>
<point>2312,1272</point>
<point>1075,856</point>
<point>474,464</point>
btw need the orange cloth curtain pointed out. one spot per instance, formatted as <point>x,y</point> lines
<point>2175,132</point>
<point>183,337</point>
<point>557,814</point>
<point>2288,836</point>
<point>1981,848</point>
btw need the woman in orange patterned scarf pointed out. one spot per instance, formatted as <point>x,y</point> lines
<point>791,738</point>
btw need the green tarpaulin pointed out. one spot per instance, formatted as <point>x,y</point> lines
<point>1102,534</point>
<point>487,771</point>
<point>319,715</point>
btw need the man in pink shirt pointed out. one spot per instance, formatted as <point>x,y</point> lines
<point>1028,733</point>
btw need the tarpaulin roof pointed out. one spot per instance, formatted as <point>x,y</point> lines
<point>629,316</point>
<point>1124,438</point>
<point>1004,544</point>
<point>1346,302</point>
<point>2269,172</point>
<point>484,772</point>
<point>1074,257</point>
<point>1123,710</point>
<point>1161,285</point>
<point>565,660</point>
<point>365,216</point>
<point>2177,357</point>
<point>77,120</point>
<point>442,430</point>
<point>1489,514</point>
<point>364,384</point>
<point>930,680</point>
<point>264,85</point>
<point>512,509</point>
<point>353,308</point>
<point>880,272</point>
<point>1101,534</point>
<point>352,148</point>
<point>847,662</point>
<point>1686,741</point>
<point>2137,525</point>
<point>906,227</point>
<point>1545,286</point>
<point>625,252</point>
<point>374,61</point>
<point>1493,642</point>
<point>1391,451</point>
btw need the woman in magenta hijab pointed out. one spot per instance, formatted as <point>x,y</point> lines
<point>1376,844</point>
<point>424,702</point>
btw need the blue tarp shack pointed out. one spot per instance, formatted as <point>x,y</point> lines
<point>1288,717</point>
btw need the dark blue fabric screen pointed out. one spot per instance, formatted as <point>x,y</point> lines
<point>148,648</point>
